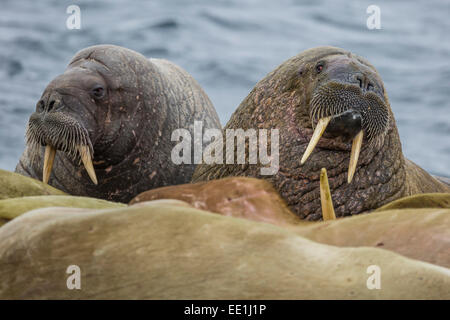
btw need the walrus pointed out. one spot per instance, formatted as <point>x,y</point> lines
<point>103,127</point>
<point>332,111</point>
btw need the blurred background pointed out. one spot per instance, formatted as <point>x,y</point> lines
<point>229,45</point>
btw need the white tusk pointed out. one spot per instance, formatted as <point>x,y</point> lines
<point>356,149</point>
<point>318,132</point>
<point>87,162</point>
<point>49,156</point>
<point>325,197</point>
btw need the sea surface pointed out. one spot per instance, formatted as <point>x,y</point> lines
<point>229,45</point>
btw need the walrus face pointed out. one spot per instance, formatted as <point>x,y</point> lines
<point>347,102</point>
<point>60,122</point>
<point>83,111</point>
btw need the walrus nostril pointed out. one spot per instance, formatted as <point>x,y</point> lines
<point>361,85</point>
<point>40,106</point>
<point>51,105</point>
<point>364,83</point>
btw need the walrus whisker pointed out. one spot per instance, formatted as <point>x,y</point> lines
<point>325,197</point>
<point>334,98</point>
<point>60,132</point>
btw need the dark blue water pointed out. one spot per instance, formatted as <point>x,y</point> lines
<point>229,45</point>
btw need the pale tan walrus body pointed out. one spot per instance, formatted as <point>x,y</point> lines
<point>330,88</point>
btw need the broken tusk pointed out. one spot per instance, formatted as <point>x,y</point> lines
<point>356,149</point>
<point>318,132</point>
<point>325,197</point>
<point>49,156</point>
<point>87,162</point>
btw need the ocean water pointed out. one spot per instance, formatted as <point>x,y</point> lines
<point>229,45</point>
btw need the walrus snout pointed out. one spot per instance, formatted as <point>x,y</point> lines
<point>345,125</point>
<point>350,71</point>
<point>351,105</point>
<point>47,105</point>
<point>57,130</point>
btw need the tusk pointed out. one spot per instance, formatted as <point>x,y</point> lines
<point>49,156</point>
<point>356,148</point>
<point>325,197</point>
<point>87,162</point>
<point>320,128</point>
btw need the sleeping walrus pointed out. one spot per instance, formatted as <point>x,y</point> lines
<point>332,111</point>
<point>114,111</point>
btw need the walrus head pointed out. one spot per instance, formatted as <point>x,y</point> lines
<point>60,122</point>
<point>108,120</point>
<point>81,111</point>
<point>347,101</point>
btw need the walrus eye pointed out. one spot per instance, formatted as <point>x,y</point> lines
<point>319,68</point>
<point>98,92</point>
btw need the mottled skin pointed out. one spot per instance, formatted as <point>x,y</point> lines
<point>129,129</point>
<point>282,100</point>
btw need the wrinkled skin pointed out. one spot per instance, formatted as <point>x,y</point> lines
<point>127,106</point>
<point>282,100</point>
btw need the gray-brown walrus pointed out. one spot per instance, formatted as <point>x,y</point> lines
<point>329,91</point>
<point>113,110</point>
